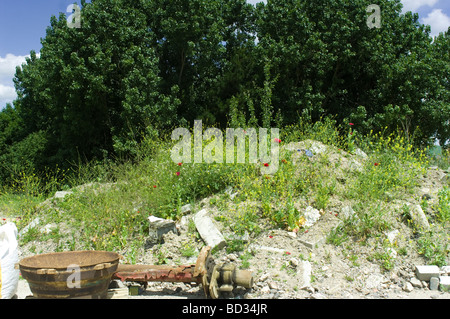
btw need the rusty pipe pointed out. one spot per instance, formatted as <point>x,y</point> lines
<point>214,278</point>
<point>146,273</point>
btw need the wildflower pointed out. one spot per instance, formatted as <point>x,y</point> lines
<point>288,253</point>
<point>178,173</point>
<point>277,140</point>
<point>154,186</point>
<point>376,164</point>
<point>270,236</point>
<point>306,231</point>
<point>351,124</point>
<point>179,164</point>
<point>266,164</point>
<point>284,161</point>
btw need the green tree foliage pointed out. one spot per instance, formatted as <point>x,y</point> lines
<point>140,66</point>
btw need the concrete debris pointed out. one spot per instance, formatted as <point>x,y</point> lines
<point>208,231</point>
<point>159,227</point>
<point>186,209</point>
<point>418,217</point>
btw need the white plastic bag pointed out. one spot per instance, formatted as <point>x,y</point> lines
<point>9,256</point>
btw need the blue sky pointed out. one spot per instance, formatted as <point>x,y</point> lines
<point>23,24</point>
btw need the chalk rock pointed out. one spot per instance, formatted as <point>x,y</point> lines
<point>312,215</point>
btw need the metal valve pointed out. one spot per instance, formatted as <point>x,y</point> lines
<point>214,278</point>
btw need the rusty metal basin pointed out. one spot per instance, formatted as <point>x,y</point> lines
<point>70,274</point>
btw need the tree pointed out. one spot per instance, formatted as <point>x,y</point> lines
<point>95,89</point>
<point>330,62</point>
<point>138,66</point>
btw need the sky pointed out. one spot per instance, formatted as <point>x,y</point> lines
<point>23,24</point>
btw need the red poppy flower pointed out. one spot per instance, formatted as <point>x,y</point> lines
<point>154,186</point>
<point>270,236</point>
<point>178,173</point>
<point>266,164</point>
<point>376,164</point>
<point>179,164</point>
<point>288,253</point>
<point>351,124</point>
<point>277,140</point>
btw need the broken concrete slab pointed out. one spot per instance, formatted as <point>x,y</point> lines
<point>208,231</point>
<point>159,226</point>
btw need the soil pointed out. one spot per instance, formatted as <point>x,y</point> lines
<point>288,265</point>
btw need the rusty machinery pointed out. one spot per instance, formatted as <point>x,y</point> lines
<point>215,278</point>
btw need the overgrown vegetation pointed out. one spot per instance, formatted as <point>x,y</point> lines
<point>95,111</point>
<point>110,210</point>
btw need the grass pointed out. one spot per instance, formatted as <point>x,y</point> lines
<point>111,213</point>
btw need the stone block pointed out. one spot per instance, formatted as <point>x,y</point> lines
<point>434,283</point>
<point>427,272</point>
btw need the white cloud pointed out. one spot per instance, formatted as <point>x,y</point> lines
<point>413,5</point>
<point>438,21</point>
<point>7,95</point>
<point>8,66</point>
<point>7,70</point>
